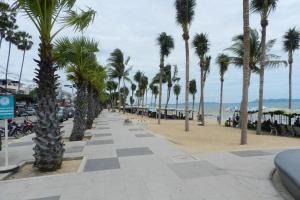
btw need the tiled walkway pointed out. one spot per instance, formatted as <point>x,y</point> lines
<point>127,163</point>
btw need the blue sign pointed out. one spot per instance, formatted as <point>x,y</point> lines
<point>7,107</point>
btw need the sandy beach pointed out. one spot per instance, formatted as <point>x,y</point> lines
<point>212,137</point>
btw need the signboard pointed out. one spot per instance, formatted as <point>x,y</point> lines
<point>7,107</point>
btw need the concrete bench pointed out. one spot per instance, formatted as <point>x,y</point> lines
<point>288,166</point>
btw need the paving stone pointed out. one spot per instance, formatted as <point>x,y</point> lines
<point>48,198</point>
<point>100,142</point>
<point>251,153</point>
<point>74,149</point>
<point>102,134</point>
<point>101,164</point>
<point>136,129</point>
<point>196,169</point>
<point>144,135</point>
<point>21,144</point>
<point>134,152</point>
<point>103,128</point>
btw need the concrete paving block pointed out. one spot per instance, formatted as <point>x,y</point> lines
<point>251,153</point>
<point>102,134</point>
<point>48,198</point>
<point>101,164</point>
<point>99,142</point>
<point>190,170</point>
<point>28,143</point>
<point>144,135</point>
<point>140,151</point>
<point>74,149</point>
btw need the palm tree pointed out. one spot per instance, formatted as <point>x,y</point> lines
<point>133,88</point>
<point>7,20</point>
<point>237,49</point>
<point>291,43</point>
<point>45,15</point>
<point>246,72</point>
<point>223,61</point>
<point>184,17</point>
<point>177,90</point>
<point>263,8</point>
<point>166,44</point>
<point>11,38</point>
<point>124,94</point>
<point>24,44</point>
<point>193,91</point>
<point>201,45</point>
<point>155,92</point>
<point>78,57</point>
<point>170,79</point>
<point>111,87</point>
<point>143,87</point>
<point>118,69</point>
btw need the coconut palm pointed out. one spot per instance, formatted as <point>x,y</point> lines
<point>155,92</point>
<point>143,87</point>
<point>263,8</point>
<point>193,91</point>
<point>118,69</point>
<point>184,17</point>
<point>7,20</point>
<point>246,71</point>
<point>12,38</point>
<point>177,90</point>
<point>24,44</point>
<point>111,86</point>
<point>78,57</point>
<point>133,88</point>
<point>272,60</point>
<point>166,44</point>
<point>223,61</point>
<point>291,43</point>
<point>201,45</point>
<point>45,15</point>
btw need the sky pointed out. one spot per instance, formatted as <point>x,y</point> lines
<point>134,25</point>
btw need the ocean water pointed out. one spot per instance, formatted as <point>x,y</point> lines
<point>212,109</point>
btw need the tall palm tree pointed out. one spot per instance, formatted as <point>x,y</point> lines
<point>193,91</point>
<point>237,49</point>
<point>205,71</point>
<point>201,45</point>
<point>45,15</point>
<point>78,57</point>
<point>7,19</point>
<point>166,44</point>
<point>291,43</point>
<point>11,38</point>
<point>170,79</point>
<point>143,87</point>
<point>155,93</point>
<point>223,61</point>
<point>177,90</point>
<point>111,86</point>
<point>118,69</point>
<point>133,88</point>
<point>263,8</point>
<point>246,72</point>
<point>184,17</point>
<point>24,44</point>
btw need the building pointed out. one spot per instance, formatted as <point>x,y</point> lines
<point>12,86</point>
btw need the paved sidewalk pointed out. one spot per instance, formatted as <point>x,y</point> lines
<point>128,163</point>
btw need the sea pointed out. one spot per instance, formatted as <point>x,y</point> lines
<point>212,108</point>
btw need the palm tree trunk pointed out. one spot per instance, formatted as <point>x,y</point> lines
<point>80,113</point>
<point>20,76</point>
<point>151,100</point>
<point>160,88</point>
<point>221,103</point>
<point>167,103</point>
<point>7,65</point>
<point>124,100</point>
<point>201,72</point>
<point>155,98</point>
<point>244,106</point>
<point>119,94</point>
<point>187,80</point>
<point>193,106</point>
<point>48,150</point>
<point>264,23</point>
<point>202,101</point>
<point>90,112</point>
<point>290,78</point>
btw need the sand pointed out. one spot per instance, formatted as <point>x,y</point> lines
<point>212,137</point>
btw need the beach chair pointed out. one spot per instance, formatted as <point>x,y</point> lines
<point>290,131</point>
<point>297,131</point>
<point>273,130</point>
